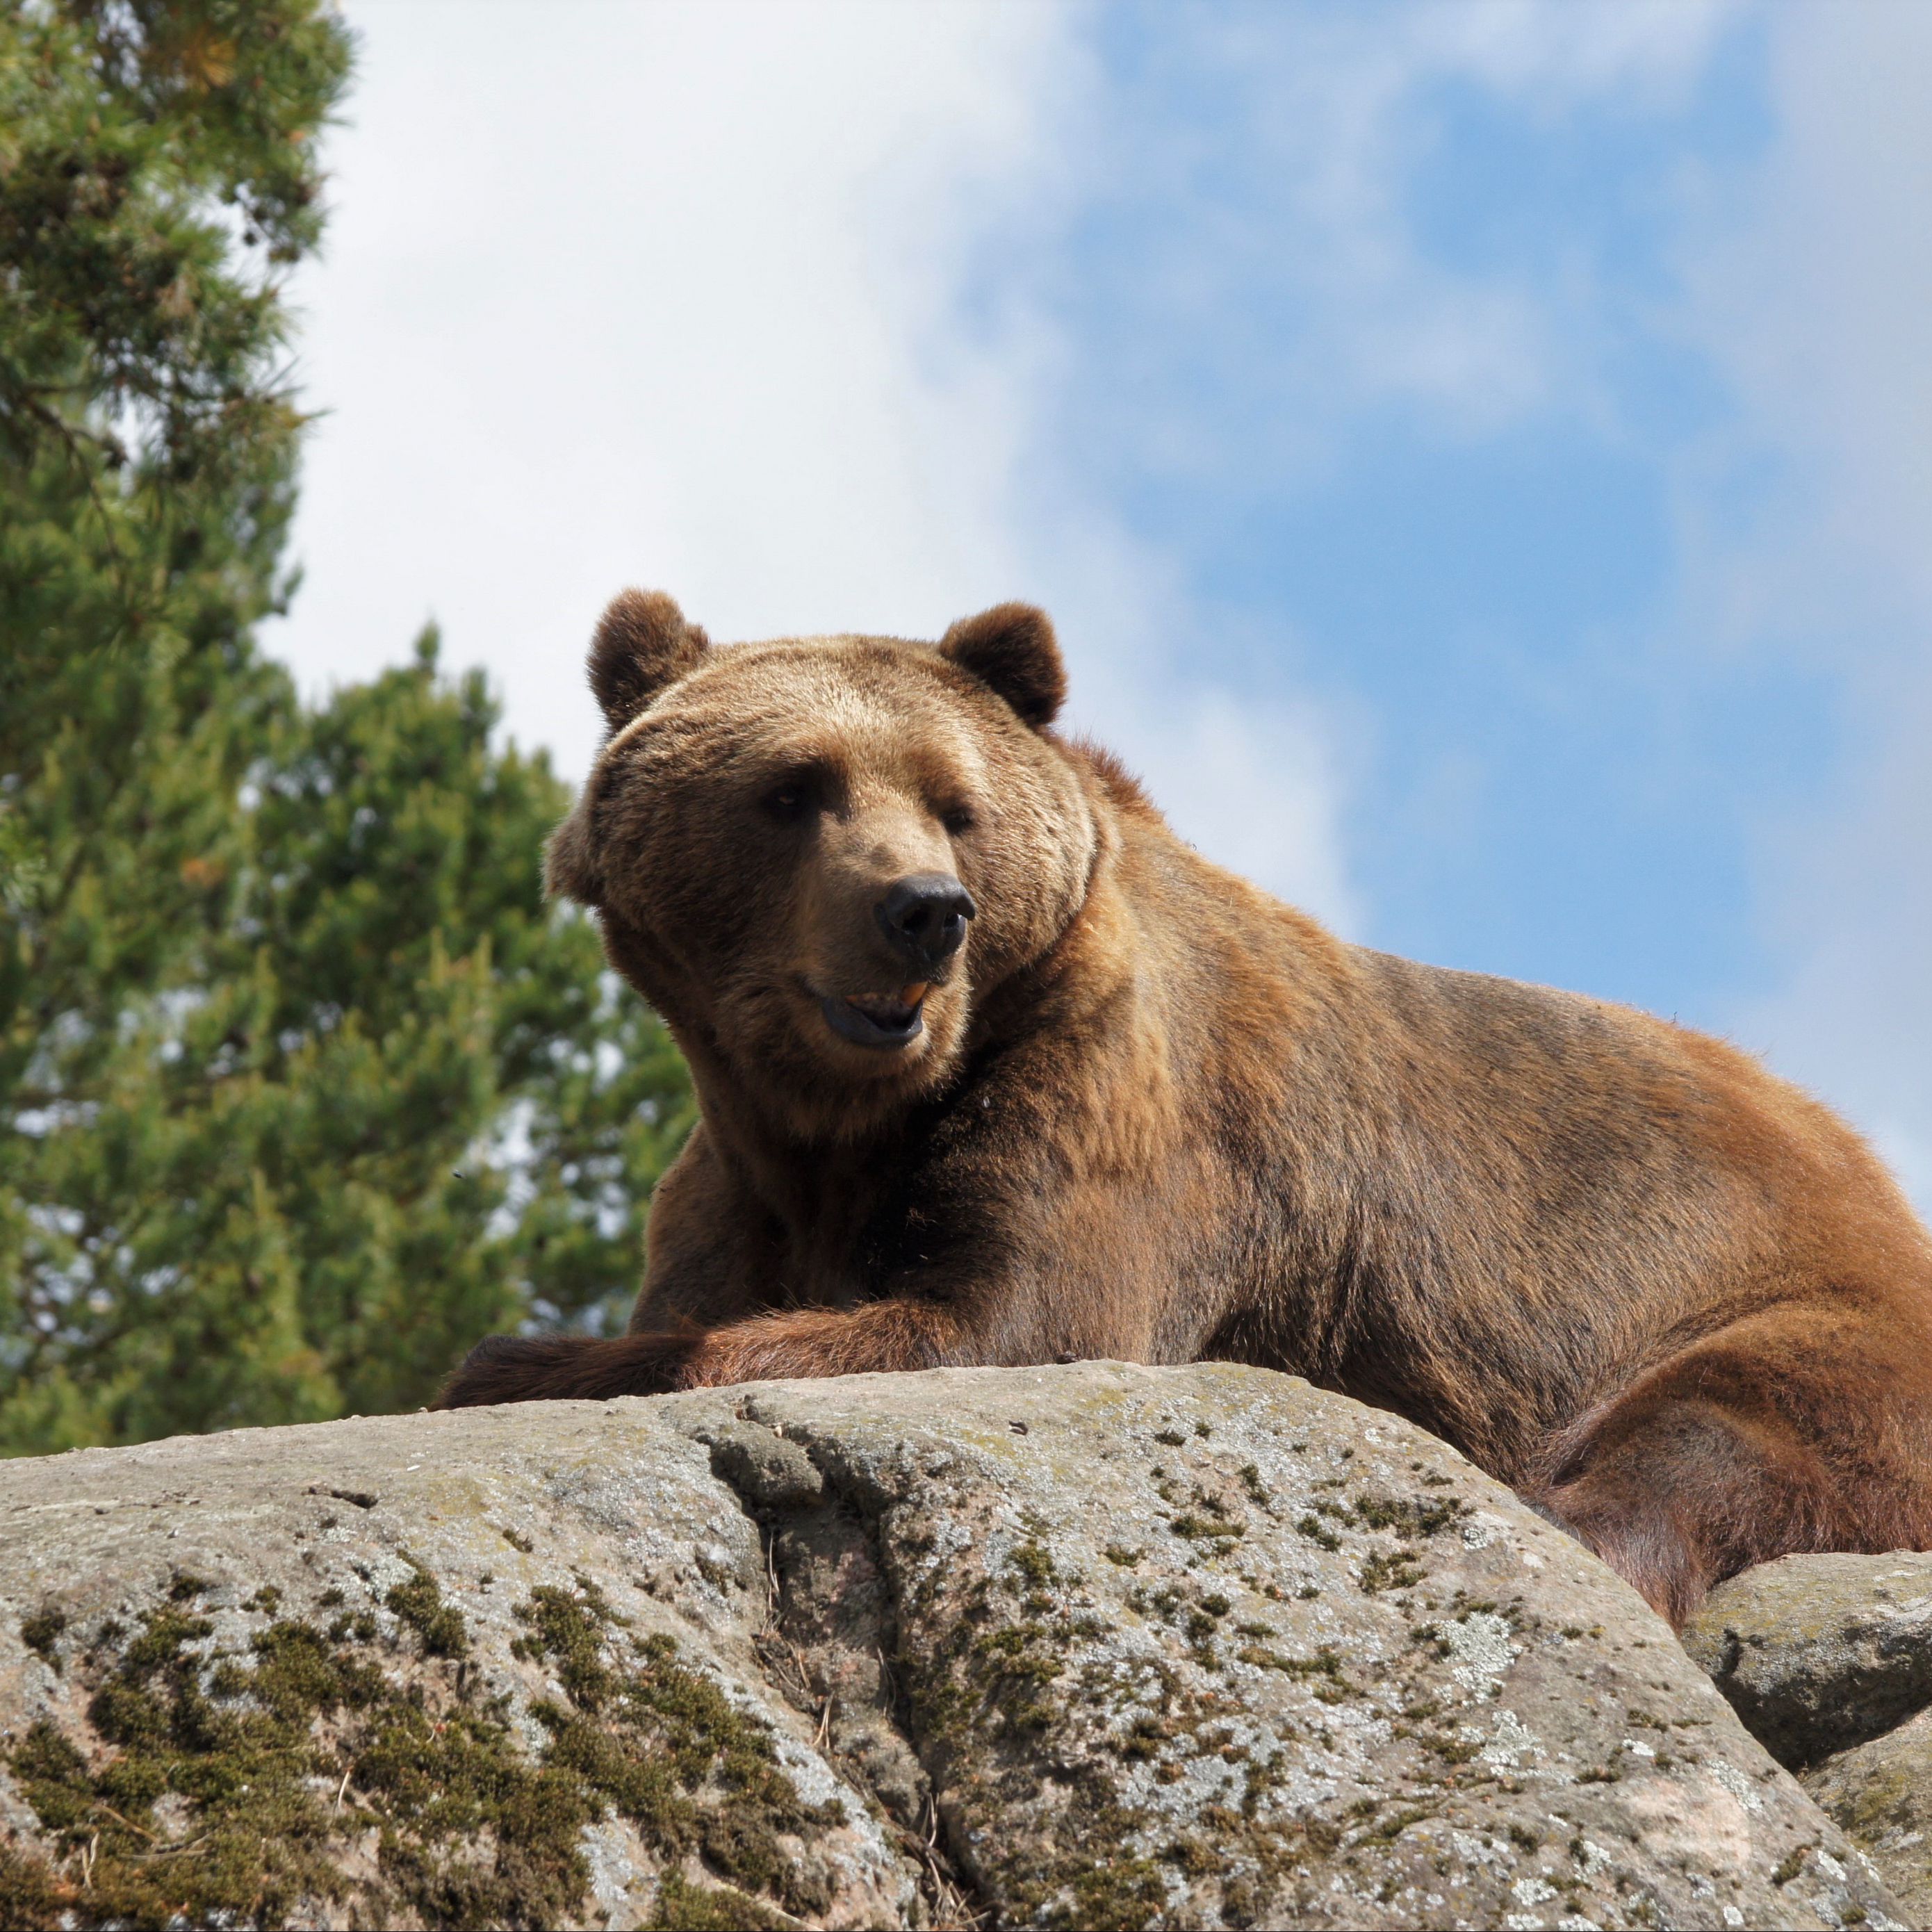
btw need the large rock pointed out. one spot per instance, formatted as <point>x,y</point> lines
<point>1820,1653</point>
<point>1828,1661</point>
<point>1097,1646</point>
<point>501,1668</point>
<point>1881,1794</point>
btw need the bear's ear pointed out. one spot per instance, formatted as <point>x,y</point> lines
<point>643,642</point>
<point>571,870</point>
<point>1012,648</point>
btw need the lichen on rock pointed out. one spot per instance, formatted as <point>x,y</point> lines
<point>1208,1647</point>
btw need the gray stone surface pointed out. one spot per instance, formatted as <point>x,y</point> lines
<point>1881,1794</point>
<point>1820,1653</point>
<point>1092,1645</point>
<point>494,1506</point>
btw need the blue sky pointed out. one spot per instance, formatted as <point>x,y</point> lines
<point>1480,569</point>
<point>1480,455</point>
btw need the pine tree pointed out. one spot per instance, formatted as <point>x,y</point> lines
<point>302,1087</point>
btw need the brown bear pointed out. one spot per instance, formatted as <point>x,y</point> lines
<point>993,1069</point>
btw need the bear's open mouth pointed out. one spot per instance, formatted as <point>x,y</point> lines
<point>877,1019</point>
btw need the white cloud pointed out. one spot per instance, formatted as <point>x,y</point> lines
<point>606,300</point>
<point>1226,754</point>
<point>1816,304</point>
<point>1554,57</point>
<point>673,294</point>
<point>1340,110</point>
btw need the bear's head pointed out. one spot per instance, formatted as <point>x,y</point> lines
<point>816,857</point>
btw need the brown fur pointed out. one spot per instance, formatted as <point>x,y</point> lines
<point>1157,1115</point>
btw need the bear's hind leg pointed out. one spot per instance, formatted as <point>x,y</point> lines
<point>1780,1434</point>
<point>1679,1499</point>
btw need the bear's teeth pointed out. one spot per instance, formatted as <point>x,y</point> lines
<point>910,996</point>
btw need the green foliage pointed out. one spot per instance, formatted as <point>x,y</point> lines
<point>126,126</point>
<point>302,1089</point>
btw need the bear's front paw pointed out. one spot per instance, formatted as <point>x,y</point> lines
<point>517,1368</point>
<point>563,1368</point>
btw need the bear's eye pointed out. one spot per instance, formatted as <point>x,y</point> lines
<point>959,821</point>
<point>790,802</point>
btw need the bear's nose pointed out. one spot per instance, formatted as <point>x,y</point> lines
<point>925,917</point>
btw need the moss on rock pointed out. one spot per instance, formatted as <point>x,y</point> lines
<point>237,1787</point>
